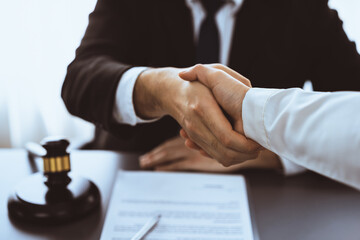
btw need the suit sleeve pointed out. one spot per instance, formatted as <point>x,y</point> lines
<point>335,56</point>
<point>104,54</point>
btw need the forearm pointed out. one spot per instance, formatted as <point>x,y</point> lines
<point>316,130</point>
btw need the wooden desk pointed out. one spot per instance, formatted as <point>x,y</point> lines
<point>302,207</point>
<point>99,166</point>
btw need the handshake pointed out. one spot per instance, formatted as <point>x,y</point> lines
<point>199,99</point>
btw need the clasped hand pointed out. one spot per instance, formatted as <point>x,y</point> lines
<point>195,104</point>
<point>229,89</point>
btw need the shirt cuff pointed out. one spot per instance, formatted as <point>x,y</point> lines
<point>253,109</point>
<point>253,113</point>
<point>124,111</point>
<point>289,167</point>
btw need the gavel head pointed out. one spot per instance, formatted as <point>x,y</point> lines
<point>56,162</point>
<point>55,146</point>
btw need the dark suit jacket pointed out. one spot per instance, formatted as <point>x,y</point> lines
<point>276,43</point>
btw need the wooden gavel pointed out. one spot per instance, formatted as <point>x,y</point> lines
<point>54,196</point>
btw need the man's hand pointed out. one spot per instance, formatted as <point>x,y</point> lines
<point>161,91</point>
<point>172,155</point>
<point>229,89</point>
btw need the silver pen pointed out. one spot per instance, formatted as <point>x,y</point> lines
<point>149,225</point>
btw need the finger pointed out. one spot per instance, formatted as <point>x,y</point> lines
<point>170,150</point>
<point>161,157</point>
<point>214,149</point>
<point>189,74</point>
<point>232,73</point>
<point>183,134</point>
<point>227,157</point>
<point>174,166</point>
<point>203,74</point>
<point>215,121</point>
<point>190,144</point>
<point>204,138</point>
<point>202,152</point>
<point>173,142</point>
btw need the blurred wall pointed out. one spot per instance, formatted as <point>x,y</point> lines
<point>349,12</point>
<point>38,41</point>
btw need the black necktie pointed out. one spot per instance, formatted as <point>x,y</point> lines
<point>208,44</point>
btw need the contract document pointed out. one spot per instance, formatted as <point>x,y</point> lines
<point>192,207</point>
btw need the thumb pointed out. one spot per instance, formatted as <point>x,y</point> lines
<point>203,74</point>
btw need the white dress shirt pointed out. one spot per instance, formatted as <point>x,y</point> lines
<point>320,131</point>
<point>124,111</point>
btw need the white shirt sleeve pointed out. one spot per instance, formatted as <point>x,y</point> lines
<point>319,131</point>
<point>290,168</point>
<point>124,111</point>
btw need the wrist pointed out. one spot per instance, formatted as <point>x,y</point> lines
<point>242,97</point>
<point>238,101</point>
<point>146,96</point>
<point>237,107</point>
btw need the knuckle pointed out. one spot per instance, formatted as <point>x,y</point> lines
<point>226,163</point>
<point>255,155</point>
<point>247,82</point>
<point>214,144</point>
<point>190,127</point>
<point>165,146</point>
<point>251,148</point>
<point>225,140</point>
<point>164,154</point>
<point>232,157</point>
<point>192,107</point>
<point>198,67</point>
<point>217,74</point>
<point>196,108</point>
<point>217,65</point>
<point>187,123</point>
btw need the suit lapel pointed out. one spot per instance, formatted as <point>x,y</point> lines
<point>252,30</point>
